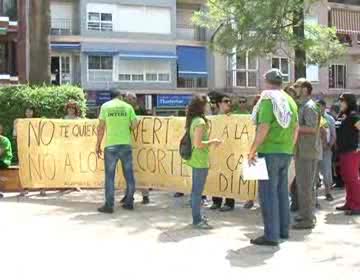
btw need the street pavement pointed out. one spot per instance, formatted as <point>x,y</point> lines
<point>61,236</point>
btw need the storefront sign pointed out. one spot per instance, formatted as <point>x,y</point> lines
<point>102,97</point>
<point>173,101</point>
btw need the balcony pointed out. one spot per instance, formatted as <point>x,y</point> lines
<point>192,82</point>
<point>61,27</point>
<point>190,33</point>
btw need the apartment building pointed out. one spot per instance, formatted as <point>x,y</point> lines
<point>244,74</point>
<point>152,48</point>
<point>147,46</point>
<point>13,63</point>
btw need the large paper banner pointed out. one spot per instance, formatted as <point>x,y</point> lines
<point>61,154</point>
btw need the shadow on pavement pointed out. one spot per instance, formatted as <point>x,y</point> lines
<point>339,218</point>
<point>251,256</point>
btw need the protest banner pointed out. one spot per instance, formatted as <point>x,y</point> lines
<point>61,154</point>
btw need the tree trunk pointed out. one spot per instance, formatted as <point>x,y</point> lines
<point>300,54</point>
<point>39,27</point>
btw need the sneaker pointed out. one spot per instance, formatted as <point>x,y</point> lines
<point>106,210</point>
<point>122,201</point>
<point>329,197</point>
<point>203,225</point>
<point>204,202</point>
<point>249,204</point>
<point>261,241</point>
<point>1,195</point>
<point>294,207</point>
<point>284,236</point>
<point>128,207</point>
<point>215,206</point>
<point>303,225</point>
<point>343,208</point>
<point>226,208</point>
<point>178,194</point>
<point>146,200</point>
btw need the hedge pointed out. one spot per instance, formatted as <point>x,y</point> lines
<point>48,102</point>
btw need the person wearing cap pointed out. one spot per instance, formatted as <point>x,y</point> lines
<point>276,118</point>
<point>308,154</point>
<point>328,142</point>
<point>348,125</point>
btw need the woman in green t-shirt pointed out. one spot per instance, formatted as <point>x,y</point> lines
<point>197,124</point>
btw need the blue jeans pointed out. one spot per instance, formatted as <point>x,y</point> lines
<point>274,197</point>
<point>199,176</point>
<point>112,155</point>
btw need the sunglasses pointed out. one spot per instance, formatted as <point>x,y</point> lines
<point>227,101</point>
<point>242,102</point>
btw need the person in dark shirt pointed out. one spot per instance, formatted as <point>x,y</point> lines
<point>348,126</point>
<point>223,104</point>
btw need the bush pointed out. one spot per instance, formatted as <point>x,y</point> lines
<point>48,102</point>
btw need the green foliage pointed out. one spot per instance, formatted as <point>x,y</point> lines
<point>262,26</point>
<point>48,102</point>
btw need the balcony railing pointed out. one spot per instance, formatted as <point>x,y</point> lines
<point>192,82</point>
<point>100,75</point>
<point>190,33</point>
<point>61,26</point>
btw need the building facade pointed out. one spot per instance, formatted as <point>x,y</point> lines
<point>149,47</point>
<point>152,48</point>
<point>244,74</point>
<point>13,63</point>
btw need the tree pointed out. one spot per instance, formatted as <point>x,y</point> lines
<point>39,31</point>
<point>263,26</point>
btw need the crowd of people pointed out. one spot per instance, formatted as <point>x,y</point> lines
<point>290,125</point>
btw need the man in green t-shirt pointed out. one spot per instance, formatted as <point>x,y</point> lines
<point>5,152</point>
<point>117,118</point>
<point>130,98</point>
<point>276,118</point>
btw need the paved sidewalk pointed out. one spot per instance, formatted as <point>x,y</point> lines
<point>63,237</point>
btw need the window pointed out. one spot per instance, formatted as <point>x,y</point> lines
<point>312,72</point>
<point>65,70</point>
<point>61,18</point>
<point>144,71</point>
<point>100,68</point>
<point>283,65</point>
<point>100,21</point>
<point>337,76</point>
<point>144,19</point>
<point>245,70</point>
<point>9,9</point>
<point>3,58</point>
<point>192,82</point>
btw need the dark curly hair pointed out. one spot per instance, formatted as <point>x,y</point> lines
<point>196,109</point>
<point>74,105</point>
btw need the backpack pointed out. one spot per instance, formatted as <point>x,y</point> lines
<point>185,148</point>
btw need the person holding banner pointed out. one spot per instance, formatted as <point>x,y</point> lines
<point>5,152</point>
<point>276,118</point>
<point>197,124</point>
<point>131,98</point>
<point>223,104</point>
<point>118,118</point>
